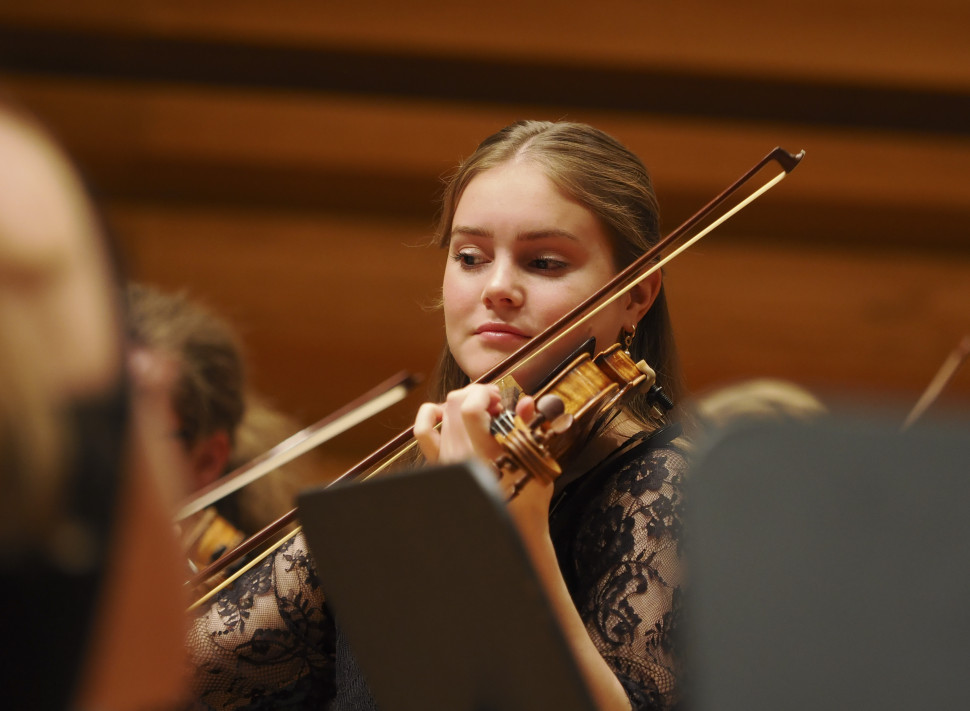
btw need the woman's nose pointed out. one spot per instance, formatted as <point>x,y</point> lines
<point>503,287</point>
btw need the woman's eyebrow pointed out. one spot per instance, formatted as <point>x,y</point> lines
<point>527,236</point>
<point>470,231</point>
<point>544,233</point>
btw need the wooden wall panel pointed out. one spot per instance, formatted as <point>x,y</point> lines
<point>329,307</point>
<point>859,41</point>
<point>281,162</point>
<point>849,325</point>
<point>387,155</point>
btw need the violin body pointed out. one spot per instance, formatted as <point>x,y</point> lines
<point>568,409</point>
<point>207,537</point>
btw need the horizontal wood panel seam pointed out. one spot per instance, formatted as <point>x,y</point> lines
<point>466,79</point>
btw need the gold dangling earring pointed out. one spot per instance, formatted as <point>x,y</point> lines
<point>628,337</point>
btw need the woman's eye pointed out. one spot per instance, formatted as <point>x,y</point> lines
<point>548,264</point>
<point>468,259</point>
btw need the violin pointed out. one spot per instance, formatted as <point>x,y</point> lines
<point>206,537</point>
<point>572,406</point>
<point>583,393</point>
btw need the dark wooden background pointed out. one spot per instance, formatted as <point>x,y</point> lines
<point>280,161</point>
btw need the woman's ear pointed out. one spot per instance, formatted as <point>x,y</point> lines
<point>209,458</point>
<point>642,296</point>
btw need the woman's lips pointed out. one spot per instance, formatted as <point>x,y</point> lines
<point>500,334</point>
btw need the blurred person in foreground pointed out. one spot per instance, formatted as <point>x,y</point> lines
<point>87,554</point>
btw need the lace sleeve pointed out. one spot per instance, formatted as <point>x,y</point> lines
<point>619,551</point>
<point>268,642</point>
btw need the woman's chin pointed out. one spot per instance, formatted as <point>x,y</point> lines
<point>528,375</point>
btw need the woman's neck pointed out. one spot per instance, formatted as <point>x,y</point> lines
<point>602,444</point>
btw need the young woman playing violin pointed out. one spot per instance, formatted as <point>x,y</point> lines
<point>535,221</point>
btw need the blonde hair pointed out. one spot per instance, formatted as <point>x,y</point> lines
<point>269,497</point>
<point>756,400</point>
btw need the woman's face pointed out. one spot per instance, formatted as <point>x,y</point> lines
<point>521,255</point>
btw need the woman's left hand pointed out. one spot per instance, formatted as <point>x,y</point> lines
<point>464,416</point>
<point>464,420</point>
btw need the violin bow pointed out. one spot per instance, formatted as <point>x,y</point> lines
<point>688,233</point>
<point>716,212</point>
<point>944,375</point>
<point>375,400</point>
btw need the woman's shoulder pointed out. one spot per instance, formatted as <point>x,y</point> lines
<point>645,469</point>
<point>649,459</point>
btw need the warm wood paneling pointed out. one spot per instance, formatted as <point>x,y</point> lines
<point>330,306</point>
<point>367,154</point>
<point>851,325</point>
<point>281,161</point>
<point>882,42</point>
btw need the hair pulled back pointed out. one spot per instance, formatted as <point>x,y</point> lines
<point>598,172</point>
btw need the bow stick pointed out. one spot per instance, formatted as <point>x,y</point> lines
<point>379,398</point>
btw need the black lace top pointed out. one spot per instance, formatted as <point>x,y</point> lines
<point>269,642</point>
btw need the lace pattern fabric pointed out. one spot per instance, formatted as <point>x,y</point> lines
<point>269,642</point>
<point>617,538</point>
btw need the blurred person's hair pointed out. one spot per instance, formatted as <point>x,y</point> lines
<point>755,400</point>
<point>209,393</point>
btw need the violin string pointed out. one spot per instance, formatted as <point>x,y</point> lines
<point>503,423</point>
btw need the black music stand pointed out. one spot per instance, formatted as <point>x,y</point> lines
<point>431,585</point>
<point>830,568</point>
